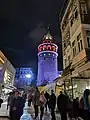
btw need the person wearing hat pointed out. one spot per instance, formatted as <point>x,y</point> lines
<point>17,106</point>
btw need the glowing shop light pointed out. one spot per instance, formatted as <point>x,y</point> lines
<point>28,75</point>
<point>87,87</point>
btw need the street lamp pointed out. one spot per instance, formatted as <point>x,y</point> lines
<point>28,75</point>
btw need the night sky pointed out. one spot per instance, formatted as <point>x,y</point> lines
<point>22,26</point>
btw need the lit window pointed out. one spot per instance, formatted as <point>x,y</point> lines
<point>44,54</point>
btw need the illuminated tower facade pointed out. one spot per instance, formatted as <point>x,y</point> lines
<point>47,60</point>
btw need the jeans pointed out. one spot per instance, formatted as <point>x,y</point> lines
<point>36,110</point>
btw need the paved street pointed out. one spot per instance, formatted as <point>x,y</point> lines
<point>4,112</point>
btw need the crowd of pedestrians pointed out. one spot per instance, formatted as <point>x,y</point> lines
<point>42,101</point>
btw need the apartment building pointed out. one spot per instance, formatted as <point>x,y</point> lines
<point>75,28</point>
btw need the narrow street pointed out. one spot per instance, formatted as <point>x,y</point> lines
<point>4,112</point>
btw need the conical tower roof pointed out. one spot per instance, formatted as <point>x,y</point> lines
<point>48,36</point>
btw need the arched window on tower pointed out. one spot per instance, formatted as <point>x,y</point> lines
<point>53,48</point>
<point>49,47</point>
<point>41,48</point>
<point>44,47</point>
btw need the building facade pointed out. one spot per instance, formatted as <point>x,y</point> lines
<point>47,61</point>
<point>7,73</point>
<point>23,77</point>
<point>75,28</point>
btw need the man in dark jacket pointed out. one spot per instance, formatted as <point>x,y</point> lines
<point>17,106</point>
<point>62,102</point>
<point>52,103</point>
<point>1,101</point>
<point>47,96</point>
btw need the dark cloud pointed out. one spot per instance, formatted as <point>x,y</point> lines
<point>37,33</point>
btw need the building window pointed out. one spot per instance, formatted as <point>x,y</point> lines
<point>83,8</point>
<point>76,14</point>
<point>74,48</point>
<point>73,43</point>
<point>64,44</point>
<point>72,20</point>
<point>80,46</point>
<point>88,41</point>
<point>79,37</point>
<point>74,51</point>
<point>69,58</point>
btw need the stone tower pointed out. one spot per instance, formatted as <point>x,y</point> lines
<point>47,60</point>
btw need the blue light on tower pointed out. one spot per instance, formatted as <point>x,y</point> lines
<point>47,60</point>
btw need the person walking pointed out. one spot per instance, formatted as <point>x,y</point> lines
<point>52,104</point>
<point>62,102</point>
<point>76,108</point>
<point>36,97</point>
<point>17,106</point>
<point>86,99</point>
<point>81,108</point>
<point>42,104</point>
<point>29,98</point>
<point>47,96</point>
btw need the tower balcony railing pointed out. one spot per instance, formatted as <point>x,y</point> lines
<point>42,52</point>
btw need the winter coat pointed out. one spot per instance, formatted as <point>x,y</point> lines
<point>62,102</point>
<point>47,96</point>
<point>17,108</point>
<point>52,101</point>
<point>36,97</point>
